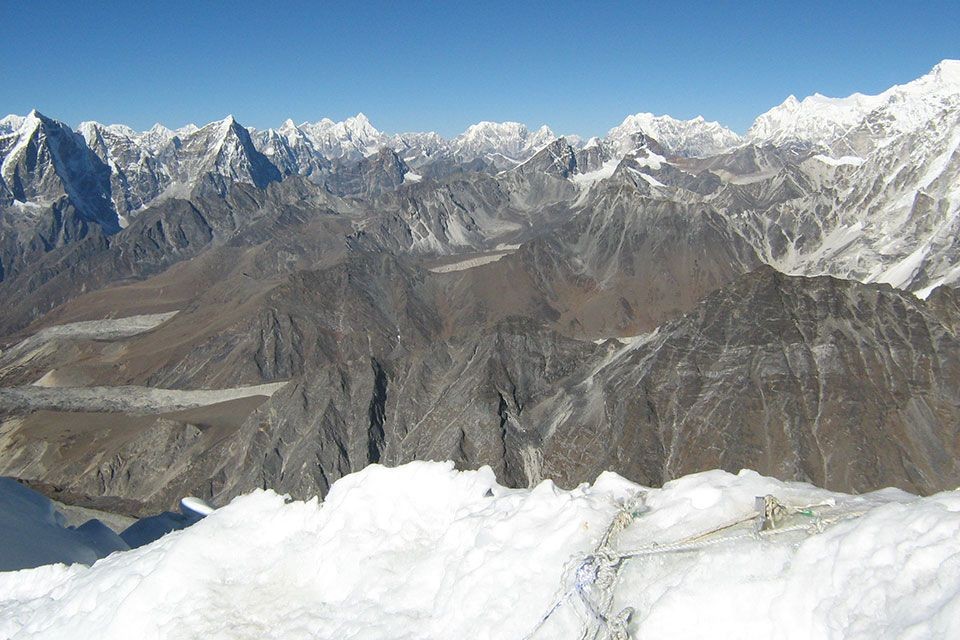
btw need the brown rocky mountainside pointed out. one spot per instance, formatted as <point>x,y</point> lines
<point>843,384</point>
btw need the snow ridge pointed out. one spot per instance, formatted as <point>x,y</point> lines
<point>424,551</point>
<point>818,120</point>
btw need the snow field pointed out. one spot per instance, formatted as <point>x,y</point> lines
<point>424,551</point>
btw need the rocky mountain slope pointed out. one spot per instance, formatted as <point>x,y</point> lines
<point>830,381</point>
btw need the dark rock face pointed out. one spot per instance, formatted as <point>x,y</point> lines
<point>48,160</point>
<point>381,172</point>
<point>829,381</point>
<point>622,265</point>
<point>556,159</point>
<point>459,400</point>
<point>175,231</point>
<point>845,385</point>
<point>54,191</point>
<point>945,303</point>
<point>593,156</point>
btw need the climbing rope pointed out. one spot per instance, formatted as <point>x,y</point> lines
<point>594,578</point>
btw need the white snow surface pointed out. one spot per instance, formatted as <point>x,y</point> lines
<point>823,120</point>
<point>424,551</point>
<point>853,161</point>
<point>696,137</point>
<point>592,177</point>
<point>510,139</point>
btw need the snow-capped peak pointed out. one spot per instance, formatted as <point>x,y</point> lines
<point>360,120</point>
<point>21,126</point>
<point>541,137</point>
<point>695,137</point>
<point>359,128</point>
<point>93,131</point>
<point>486,129</point>
<point>18,130</point>
<point>227,123</point>
<point>187,129</point>
<point>288,131</point>
<point>544,131</point>
<point>354,137</point>
<point>818,120</point>
<point>156,137</point>
<point>510,139</point>
<point>10,124</point>
<point>32,122</point>
<point>592,142</point>
<point>946,72</point>
<point>357,125</point>
<point>158,129</point>
<point>89,130</point>
<point>815,119</point>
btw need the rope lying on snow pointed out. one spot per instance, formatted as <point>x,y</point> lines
<point>593,580</point>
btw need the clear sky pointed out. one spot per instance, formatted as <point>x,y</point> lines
<point>579,66</point>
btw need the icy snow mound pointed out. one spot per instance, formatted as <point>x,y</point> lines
<point>34,533</point>
<point>424,551</point>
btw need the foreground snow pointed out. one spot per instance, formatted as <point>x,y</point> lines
<point>424,551</point>
<point>33,532</point>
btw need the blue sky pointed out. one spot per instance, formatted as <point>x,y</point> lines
<point>579,67</point>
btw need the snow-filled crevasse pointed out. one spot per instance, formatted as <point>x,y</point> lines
<point>424,551</point>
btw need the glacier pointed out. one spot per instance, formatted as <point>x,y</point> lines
<point>426,551</point>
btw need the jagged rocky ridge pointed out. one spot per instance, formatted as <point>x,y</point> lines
<point>111,173</point>
<point>826,165</point>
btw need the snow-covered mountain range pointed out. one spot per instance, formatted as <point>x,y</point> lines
<point>884,181</point>
<point>162,162</point>
<point>861,123</point>
<point>696,137</point>
<point>862,186</point>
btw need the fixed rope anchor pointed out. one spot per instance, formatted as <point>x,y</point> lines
<point>594,578</point>
<point>769,510</point>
